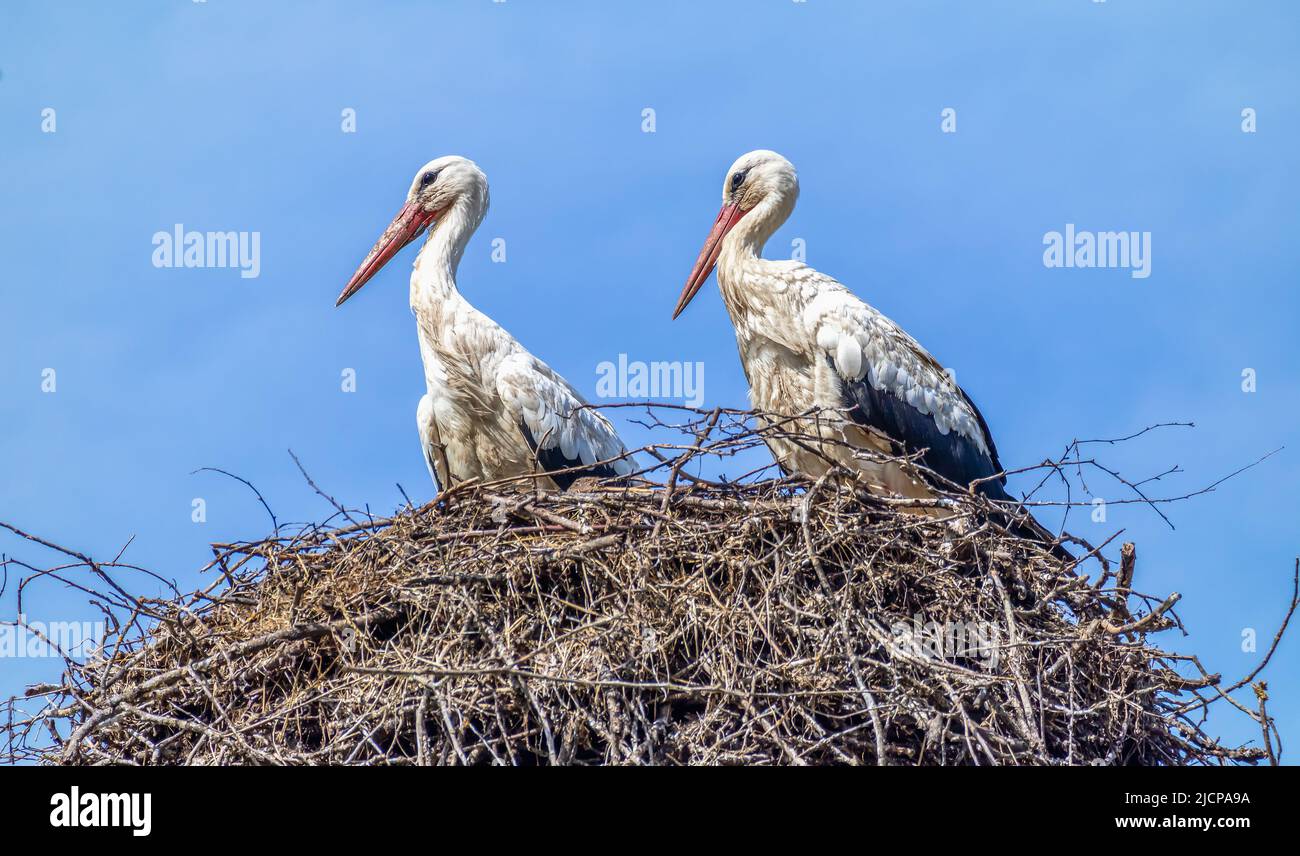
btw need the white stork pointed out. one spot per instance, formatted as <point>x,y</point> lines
<point>492,409</point>
<point>806,342</point>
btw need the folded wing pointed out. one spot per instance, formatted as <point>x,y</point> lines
<point>896,387</point>
<point>557,424</point>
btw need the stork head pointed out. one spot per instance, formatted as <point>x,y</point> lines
<point>439,186</point>
<point>761,182</point>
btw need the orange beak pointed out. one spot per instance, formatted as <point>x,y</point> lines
<point>405,228</point>
<point>727,218</point>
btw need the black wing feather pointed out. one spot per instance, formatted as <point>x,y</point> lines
<point>553,459</point>
<point>952,455</point>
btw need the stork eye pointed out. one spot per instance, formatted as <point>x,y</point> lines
<point>428,178</point>
<point>737,180</point>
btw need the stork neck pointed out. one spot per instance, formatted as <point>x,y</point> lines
<point>746,239</point>
<point>742,247</point>
<point>435,266</point>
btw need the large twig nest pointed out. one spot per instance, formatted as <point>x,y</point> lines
<point>758,624</point>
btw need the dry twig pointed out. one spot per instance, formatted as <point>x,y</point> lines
<point>701,622</point>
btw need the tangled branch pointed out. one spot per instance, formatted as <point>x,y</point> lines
<point>673,619</point>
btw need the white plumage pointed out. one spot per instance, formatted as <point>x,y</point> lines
<point>492,410</point>
<point>806,342</point>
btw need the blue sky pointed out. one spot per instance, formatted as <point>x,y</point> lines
<point>227,116</point>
